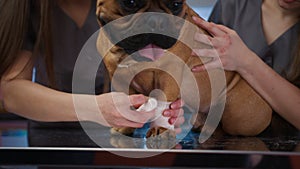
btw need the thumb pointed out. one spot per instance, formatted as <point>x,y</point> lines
<point>137,100</point>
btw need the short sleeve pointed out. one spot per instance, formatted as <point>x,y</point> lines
<point>224,12</point>
<point>216,13</point>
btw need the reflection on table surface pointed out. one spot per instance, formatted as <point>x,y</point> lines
<point>13,134</point>
<point>92,144</point>
<point>23,133</point>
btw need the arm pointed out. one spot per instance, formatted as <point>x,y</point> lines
<point>282,96</point>
<point>40,103</point>
<point>34,101</point>
<point>234,55</point>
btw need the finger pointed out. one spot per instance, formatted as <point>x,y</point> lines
<point>200,37</point>
<point>212,53</point>
<point>134,124</point>
<point>213,65</point>
<point>219,42</point>
<point>200,68</point>
<point>173,113</point>
<point>175,109</point>
<point>179,121</point>
<point>225,29</point>
<point>139,117</point>
<point>208,66</point>
<point>172,121</point>
<point>137,100</point>
<point>126,123</point>
<point>177,104</point>
<point>210,27</point>
<point>214,42</point>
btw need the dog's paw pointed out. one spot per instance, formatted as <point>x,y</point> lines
<point>161,138</point>
<point>125,131</point>
<point>119,140</point>
<point>198,121</point>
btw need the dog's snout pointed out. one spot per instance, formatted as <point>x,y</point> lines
<point>157,23</point>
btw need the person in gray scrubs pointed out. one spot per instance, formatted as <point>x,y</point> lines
<point>72,23</point>
<point>260,42</point>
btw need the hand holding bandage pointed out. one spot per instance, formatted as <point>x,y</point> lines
<point>159,107</point>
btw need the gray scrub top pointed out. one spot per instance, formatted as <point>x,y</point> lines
<point>244,16</point>
<point>68,40</point>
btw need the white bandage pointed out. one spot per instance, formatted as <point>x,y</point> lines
<point>150,105</point>
<point>159,107</point>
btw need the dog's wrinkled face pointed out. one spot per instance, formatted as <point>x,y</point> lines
<point>110,10</point>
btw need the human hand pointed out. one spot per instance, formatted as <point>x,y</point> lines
<point>176,114</point>
<point>229,51</point>
<point>119,110</point>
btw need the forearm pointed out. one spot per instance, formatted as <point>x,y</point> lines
<point>282,96</point>
<point>37,102</point>
<point>234,55</point>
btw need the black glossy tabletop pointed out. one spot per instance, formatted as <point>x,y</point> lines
<point>42,140</point>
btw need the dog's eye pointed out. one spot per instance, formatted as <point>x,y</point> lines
<point>130,4</point>
<point>176,7</point>
<point>177,4</point>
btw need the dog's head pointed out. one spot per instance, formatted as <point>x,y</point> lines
<point>156,22</point>
<point>142,31</point>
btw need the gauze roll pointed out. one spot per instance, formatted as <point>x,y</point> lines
<point>158,107</point>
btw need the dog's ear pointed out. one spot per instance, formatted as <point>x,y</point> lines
<point>99,3</point>
<point>190,13</point>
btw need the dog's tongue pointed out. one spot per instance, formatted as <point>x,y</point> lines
<point>152,52</point>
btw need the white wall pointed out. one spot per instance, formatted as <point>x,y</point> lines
<point>202,7</point>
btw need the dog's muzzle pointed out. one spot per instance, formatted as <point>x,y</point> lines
<point>152,33</point>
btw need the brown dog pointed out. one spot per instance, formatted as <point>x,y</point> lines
<point>167,68</point>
